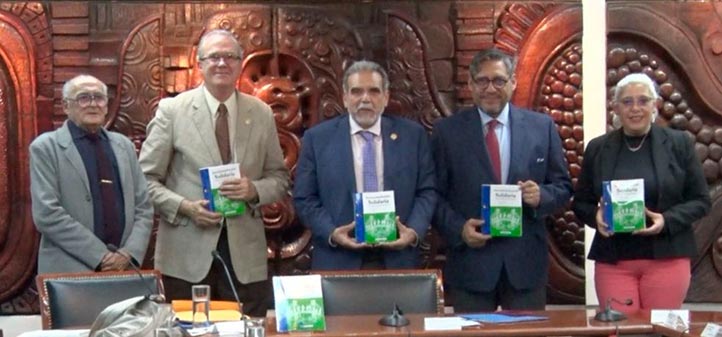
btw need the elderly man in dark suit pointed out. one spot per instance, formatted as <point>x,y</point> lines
<point>332,167</point>
<point>497,143</point>
<point>87,189</point>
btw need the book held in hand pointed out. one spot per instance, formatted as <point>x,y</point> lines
<point>375,215</point>
<point>211,179</point>
<point>623,205</point>
<point>299,303</point>
<point>501,210</point>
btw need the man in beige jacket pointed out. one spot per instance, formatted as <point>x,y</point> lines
<point>212,125</point>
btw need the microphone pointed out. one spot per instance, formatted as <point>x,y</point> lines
<point>396,319</point>
<point>158,298</point>
<point>218,257</point>
<point>611,315</point>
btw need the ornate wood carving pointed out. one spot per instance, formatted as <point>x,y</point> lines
<point>547,40</point>
<point>19,53</point>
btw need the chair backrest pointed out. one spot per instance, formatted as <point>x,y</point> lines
<point>377,291</point>
<point>76,299</point>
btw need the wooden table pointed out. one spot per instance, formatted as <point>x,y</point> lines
<point>560,323</point>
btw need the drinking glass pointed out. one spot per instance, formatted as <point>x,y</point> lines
<point>255,327</point>
<point>201,296</point>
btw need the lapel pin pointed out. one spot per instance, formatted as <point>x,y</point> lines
<point>248,121</point>
<point>394,136</point>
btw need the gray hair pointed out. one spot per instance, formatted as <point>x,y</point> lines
<point>364,65</point>
<point>492,54</point>
<point>221,32</point>
<point>69,86</point>
<point>635,78</point>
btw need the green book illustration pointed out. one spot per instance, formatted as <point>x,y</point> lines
<point>501,210</point>
<point>623,205</point>
<point>211,178</point>
<point>375,215</point>
<point>299,303</point>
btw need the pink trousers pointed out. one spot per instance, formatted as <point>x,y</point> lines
<point>650,284</point>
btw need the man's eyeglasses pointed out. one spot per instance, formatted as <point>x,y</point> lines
<point>628,102</point>
<point>497,82</point>
<point>228,58</point>
<point>84,100</point>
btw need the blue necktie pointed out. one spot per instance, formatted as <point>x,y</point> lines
<point>368,154</point>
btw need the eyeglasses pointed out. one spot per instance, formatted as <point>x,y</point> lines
<point>497,82</point>
<point>628,102</point>
<point>228,58</point>
<point>84,100</point>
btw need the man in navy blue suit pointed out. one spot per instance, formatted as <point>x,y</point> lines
<point>331,169</point>
<point>523,149</point>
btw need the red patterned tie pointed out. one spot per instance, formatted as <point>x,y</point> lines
<point>492,146</point>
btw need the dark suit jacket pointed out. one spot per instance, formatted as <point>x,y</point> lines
<point>325,184</point>
<point>463,165</point>
<point>683,195</point>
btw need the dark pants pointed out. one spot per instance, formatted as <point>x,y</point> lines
<point>256,296</point>
<point>503,295</point>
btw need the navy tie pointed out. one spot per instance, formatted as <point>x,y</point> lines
<point>111,229</point>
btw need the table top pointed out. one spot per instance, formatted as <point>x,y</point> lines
<point>559,323</point>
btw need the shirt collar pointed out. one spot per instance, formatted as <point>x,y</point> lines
<point>355,128</point>
<point>213,103</point>
<point>77,132</point>
<point>503,117</point>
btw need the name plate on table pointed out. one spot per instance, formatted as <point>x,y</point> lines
<point>712,330</point>
<point>675,319</point>
<point>501,210</point>
<point>623,205</point>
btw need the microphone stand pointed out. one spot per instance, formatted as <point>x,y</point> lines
<point>218,257</point>
<point>158,298</point>
<point>611,315</point>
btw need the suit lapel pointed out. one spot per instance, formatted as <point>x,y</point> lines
<point>244,125</point>
<point>342,146</point>
<point>661,159</point>
<point>391,151</point>
<point>204,126</point>
<point>121,158</point>
<point>518,128</point>
<point>609,154</point>
<point>472,135</point>
<point>65,141</point>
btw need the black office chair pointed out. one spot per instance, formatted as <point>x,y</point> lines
<point>377,291</point>
<point>75,299</point>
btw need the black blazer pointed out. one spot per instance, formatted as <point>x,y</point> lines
<point>683,195</point>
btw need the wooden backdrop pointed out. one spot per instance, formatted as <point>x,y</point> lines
<point>295,55</point>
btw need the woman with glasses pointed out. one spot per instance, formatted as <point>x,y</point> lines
<point>649,266</point>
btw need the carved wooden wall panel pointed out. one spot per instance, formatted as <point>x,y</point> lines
<point>294,59</point>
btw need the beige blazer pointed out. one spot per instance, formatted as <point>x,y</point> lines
<point>180,141</point>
